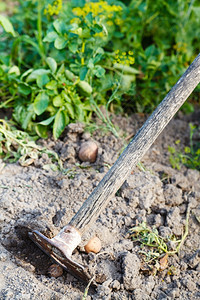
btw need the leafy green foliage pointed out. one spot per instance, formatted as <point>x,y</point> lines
<point>64,60</point>
<point>190,156</point>
<point>7,26</point>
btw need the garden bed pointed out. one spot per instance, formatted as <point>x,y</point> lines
<point>34,198</point>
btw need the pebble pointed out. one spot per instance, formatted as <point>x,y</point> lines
<point>55,270</point>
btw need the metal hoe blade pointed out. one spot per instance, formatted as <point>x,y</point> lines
<point>49,247</point>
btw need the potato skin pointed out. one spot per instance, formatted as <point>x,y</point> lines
<point>94,245</point>
<point>88,152</point>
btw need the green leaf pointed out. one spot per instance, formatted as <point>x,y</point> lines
<point>40,103</point>
<point>61,69</point>
<point>73,47</point>
<point>52,64</point>
<point>50,37</point>
<point>7,26</point>
<point>80,116</point>
<point>24,88</point>
<point>47,121</point>
<point>70,110</point>
<point>51,85</point>
<point>33,76</point>
<point>97,28</point>
<point>14,70</point>
<point>57,101</point>
<point>99,71</point>
<point>59,124</point>
<point>59,26</point>
<point>83,73</point>
<point>42,131</point>
<point>42,80</point>
<point>126,69</point>
<point>26,73</point>
<point>85,88</point>
<point>66,97</point>
<point>26,118</point>
<point>89,18</point>
<point>60,43</point>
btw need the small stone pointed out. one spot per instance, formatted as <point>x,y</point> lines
<point>194,260</point>
<point>86,136</point>
<point>192,201</point>
<point>55,270</point>
<point>157,220</point>
<point>115,285</point>
<point>3,256</point>
<point>63,184</point>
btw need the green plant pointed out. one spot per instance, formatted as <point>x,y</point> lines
<point>190,157</point>
<point>155,246</point>
<point>83,38</point>
<point>16,145</point>
<point>54,99</point>
<point>160,56</point>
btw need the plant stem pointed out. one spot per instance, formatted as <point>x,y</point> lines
<point>87,288</point>
<point>39,28</point>
<point>186,229</point>
<point>82,51</point>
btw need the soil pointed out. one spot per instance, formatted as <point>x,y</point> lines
<point>36,198</point>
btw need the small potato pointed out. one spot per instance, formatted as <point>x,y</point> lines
<point>94,245</point>
<point>88,151</point>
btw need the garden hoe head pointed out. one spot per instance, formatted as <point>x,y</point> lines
<point>60,249</point>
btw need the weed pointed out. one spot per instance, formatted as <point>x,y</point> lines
<point>87,289</point>
<point>18,145</point>
<point>191,155</point>
<point>155,246</point>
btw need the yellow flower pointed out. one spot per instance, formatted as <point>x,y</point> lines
<point>100,34</point>
<point>109,23</point>
<point>53,9</point>
<point>123,58</point>
<point>75,20</point>
<point>97,8</point>
<point>118,21</point>
<point>187,150</point>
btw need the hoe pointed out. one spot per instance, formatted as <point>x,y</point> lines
<point>61,246</point>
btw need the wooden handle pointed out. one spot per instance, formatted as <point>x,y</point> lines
<point>133,153</point>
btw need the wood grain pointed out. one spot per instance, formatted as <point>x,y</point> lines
<point>142,141</point>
